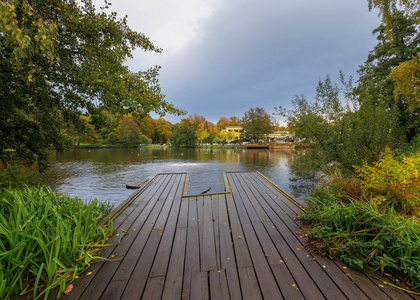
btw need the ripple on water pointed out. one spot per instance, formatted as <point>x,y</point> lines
<point>103,173</point>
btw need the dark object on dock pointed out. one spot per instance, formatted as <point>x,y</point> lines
<point>135,185</point>
<point>245,243</point>
<point>206,191</point>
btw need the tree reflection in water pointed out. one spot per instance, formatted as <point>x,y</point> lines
<point>103,173</point>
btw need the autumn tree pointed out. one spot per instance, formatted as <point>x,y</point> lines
<point>406,73</point>
<point>256,124</point>
<point>163,131</point>
<point>223,122</point>
<point>60,59</point>
<point>202,135</point>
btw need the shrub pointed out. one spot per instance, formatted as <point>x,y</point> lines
<point>392,182</point>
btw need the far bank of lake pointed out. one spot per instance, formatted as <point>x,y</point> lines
<point>103,173</point>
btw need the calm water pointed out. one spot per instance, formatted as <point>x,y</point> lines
<point>103,173</point>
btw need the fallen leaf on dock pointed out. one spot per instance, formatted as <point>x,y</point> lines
<point>68,289</point>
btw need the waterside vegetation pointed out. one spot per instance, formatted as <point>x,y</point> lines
<point>365,139</point>
<point>46,240</point>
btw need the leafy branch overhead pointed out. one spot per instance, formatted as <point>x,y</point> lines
<point>60,59</point>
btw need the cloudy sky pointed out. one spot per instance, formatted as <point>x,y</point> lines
<point>222,57</point>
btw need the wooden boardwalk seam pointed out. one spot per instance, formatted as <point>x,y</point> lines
<point>245,243</point>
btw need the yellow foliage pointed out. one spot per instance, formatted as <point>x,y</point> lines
<point>392,181</point>
<point>407,80</point>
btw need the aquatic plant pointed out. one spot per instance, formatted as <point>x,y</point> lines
<point>46,240</point>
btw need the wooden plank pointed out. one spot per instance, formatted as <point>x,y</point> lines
<point>283,202</point>
<point>154,287</point>
<point>192,263</point>
<point>284,278</point>
<point>173,283</point>
<point>199,286</point>
<point>215,219</point>
<point>95,279</point>
<point>290,274</point>
<point>208,247</point>
<point>218,285</point>
<point>174,277</point>
<point>161,262</point>
<point>249,283</point>
<point>243,258</point>
<point>132,274</point>
<point>293,204</point>
<point>227,254</point>
<point>268,284</point>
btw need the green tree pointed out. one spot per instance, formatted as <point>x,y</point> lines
<point>344,133</point>
<point>86,133</point>
<point>202,135</point>
<point>184,133</point>
<point>256,124</point>
<point>59,59</point>
<point>225,137</point>
<point>127,133</point>
<point>375,84</point>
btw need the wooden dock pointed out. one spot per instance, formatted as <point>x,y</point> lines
<point>242,244</point>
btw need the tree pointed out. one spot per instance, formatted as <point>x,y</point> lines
<point>60,59</point>
<point>127,133</point>
<point>184,133</point>
<point>388,8</point>
<point>202,135</point>
<point>376,84</point>
<point>225,137</point>
<point>163,131</point>
<point>223,122</point>
<point>86,133</point>
<point>256,124</point>
<point>343,132</point>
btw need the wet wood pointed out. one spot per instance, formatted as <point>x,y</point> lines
<point>246,243</point>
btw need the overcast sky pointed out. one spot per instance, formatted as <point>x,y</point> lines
<point>222,57</point>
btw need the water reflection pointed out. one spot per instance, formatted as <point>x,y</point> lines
<point>103,173</point>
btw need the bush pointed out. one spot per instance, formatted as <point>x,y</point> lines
<point>18,176</point>
<point>46,240</point>
<point>393,182</point>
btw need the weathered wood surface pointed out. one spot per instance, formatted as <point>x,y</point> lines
<point>243,244</point>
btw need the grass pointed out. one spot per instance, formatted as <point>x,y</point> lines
<point>361,234</point>
<point>46,240</point>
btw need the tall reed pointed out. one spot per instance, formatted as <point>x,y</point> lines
<point>46,240</point>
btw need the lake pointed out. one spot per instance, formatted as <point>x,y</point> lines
<point>103,173</point>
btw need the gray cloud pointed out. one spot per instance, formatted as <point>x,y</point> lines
<point>234,54</point>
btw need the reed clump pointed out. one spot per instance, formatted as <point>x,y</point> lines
<point>371,219</point>
<point>46,240</point>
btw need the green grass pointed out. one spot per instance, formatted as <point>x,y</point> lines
<point>46,240</point>
<point>361,233</point>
